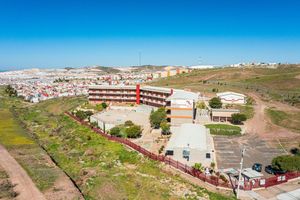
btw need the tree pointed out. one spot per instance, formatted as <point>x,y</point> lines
<point>134,131</point>
<point>215,102</point>
<point>157,117</point>
<point>287,162</point>
<point>104,105</point>
<point>115,131</point>
<point>165,128</point>
<point>99,107</point>
<point>238,118</point>
<point>128,123</point>
<point>201,105</point>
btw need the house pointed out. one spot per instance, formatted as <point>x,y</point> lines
<point>190,144</point>
<point>232,98</point>
<point>222,115</point>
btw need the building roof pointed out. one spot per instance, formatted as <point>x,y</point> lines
<point>250,173</point>
<point>224,112</point>
<point>230,93</point>
<point>112,87</point>
<point>156,89</point>
<point>193,136</point>
<point>182,94</point>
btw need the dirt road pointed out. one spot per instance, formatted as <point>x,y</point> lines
<point>261,126</point>
<point>24,185</point>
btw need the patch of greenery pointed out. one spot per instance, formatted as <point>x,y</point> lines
<point>238,118</point>
<point>82,115</point>
<point>247,110</point>
<point>157,117</point>
<point>102,169</point>
<point>223,129</point>
<point>215,102</point>
<point>126,130</point>
<point>11,91</point>
<point>287,162</point>
<point>289,120</point>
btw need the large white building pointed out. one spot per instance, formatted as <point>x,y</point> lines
<point>232,98</point>
<point>190,144</point>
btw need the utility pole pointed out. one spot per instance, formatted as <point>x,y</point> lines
<point>240,174</point>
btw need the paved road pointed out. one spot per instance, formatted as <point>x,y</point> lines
<point>24,185</point>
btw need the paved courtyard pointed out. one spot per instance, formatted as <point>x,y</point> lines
<point>228,151</point>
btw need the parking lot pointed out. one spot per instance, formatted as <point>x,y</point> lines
<point>228,151</point>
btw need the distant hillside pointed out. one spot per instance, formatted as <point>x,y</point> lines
<point>109,70</point>
<point>280,84</point>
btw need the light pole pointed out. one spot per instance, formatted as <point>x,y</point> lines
<point>240,174</point>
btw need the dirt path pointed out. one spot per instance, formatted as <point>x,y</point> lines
<point>262,126</point>
<point>24,185</point>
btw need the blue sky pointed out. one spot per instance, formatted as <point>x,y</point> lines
<point>61,33</point>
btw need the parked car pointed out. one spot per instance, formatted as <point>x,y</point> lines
<point>257,167</point>
<point>270,170</point>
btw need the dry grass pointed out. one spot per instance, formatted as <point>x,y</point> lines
<point>277,84</point>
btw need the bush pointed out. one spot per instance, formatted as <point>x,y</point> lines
<point>215,102</point>
<point>134,131</point>
<point>201,105</point>
<point>215,90</point>
<point>157,117</point>
<point>11,91</point>
<point>128,123</point>
<point>165,127</point>
<point>287,162</point>
<point>212,165</point>
<point>83,114</point>
<point>104,105</point>
<point>198,166</point>
<point>99,107</point>
<point>115,131</point>
<point>238,118</point>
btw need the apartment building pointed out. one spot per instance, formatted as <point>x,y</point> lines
<point>180,104</point>
<point>103,93</point>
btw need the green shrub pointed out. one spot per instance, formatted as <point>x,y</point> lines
<point>201,105</point>
<point>134,131</point>
<point>83,114</point>
<point>165,127</point>
<point>198,166</point>
<point>215,102</point>
<point>287,162</point>
<point>238,118</point>
<point>11,91</point>
<point>115,131</point>
<point>104,105</point>
<point>128,123</point>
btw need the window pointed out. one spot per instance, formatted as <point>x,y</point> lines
<point>169,153</point>
<point>208,155</point>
